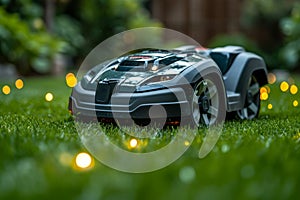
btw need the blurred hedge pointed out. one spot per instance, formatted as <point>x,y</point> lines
<point>291,28</point>
<point>78,26</point>
<point>24,47</point>
<point>270,28</point>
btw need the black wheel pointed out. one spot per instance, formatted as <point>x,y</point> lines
<point>252,100</point>
<point>208,103</point>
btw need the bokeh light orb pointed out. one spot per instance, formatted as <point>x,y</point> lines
<point>293,89</point>
<point>6,89</point>
<point>186,143</point>
<point>284,86</point>
<point>49,96</point>
<point>83,160</point>
<point>263,89</point>
<point>69,75</point>
<point>295,103</point>
<point>264,96</point>
<point>133,143</point>
<point>187,174</point>
<point>71,80</point>
<point>19,84</point>
<point>270,106</point>
<point>271,78</point>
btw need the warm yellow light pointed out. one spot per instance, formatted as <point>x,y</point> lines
<point>271,78</point>
<point>263,89</point>
<point>133,143</point>
<point>186,143</point>
<point>284,86</point>
<point>71,80</point>
<point>83,160</point>
<point>69,75</point>
<point>49,96</point>
<point>264,96</point>
<point>293,89</point>
<point>19,84</point>
<point>295,103</point>
<point>270,106</point>
<point>6,89</point>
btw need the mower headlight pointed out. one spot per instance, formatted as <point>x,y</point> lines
<point>159,78</point>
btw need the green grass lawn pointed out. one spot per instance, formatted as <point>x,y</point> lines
<point>258,159</point>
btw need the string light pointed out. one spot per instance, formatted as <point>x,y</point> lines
<point>133,143</point>
<point>19,84</point>
<point>71,80</point>
<point>186,143</point>
<point>49,96</point>
<point>263,89</point>
<point>284,86</point>
<point>264,96</point>
<point>293,89</point>
<point>270,106</point>
<point>295,103</point>
<point>69,75</point>
<point>6,89</point>
<point>83,160</point>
